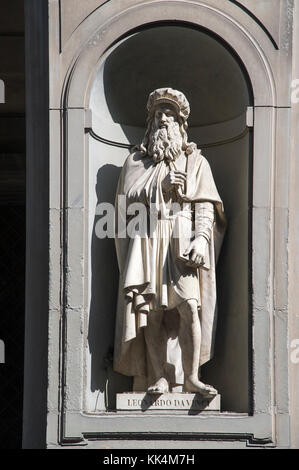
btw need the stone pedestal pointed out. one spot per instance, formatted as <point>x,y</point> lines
<point>167,401</point>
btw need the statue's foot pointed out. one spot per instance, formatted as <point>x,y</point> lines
<point>161,386</point>
<point>196,386</point>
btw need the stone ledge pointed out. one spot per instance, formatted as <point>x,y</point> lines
<point>166,401</point>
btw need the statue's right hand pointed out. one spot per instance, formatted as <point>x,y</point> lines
<point>174,178</point>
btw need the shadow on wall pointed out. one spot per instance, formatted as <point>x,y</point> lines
<point>184,58</point>
<point>104,287</point>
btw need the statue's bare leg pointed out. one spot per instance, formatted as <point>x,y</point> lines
<point>190,342</point>
<point>156,343</point>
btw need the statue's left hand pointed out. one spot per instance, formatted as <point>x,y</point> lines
<point>196,252</point>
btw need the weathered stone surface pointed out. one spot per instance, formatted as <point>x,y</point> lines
<point>167,401</point>
<point>73,12</point>
<point>266,13</point>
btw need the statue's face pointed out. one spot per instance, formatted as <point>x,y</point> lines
<point>164,116</point>
<point>165,138</point>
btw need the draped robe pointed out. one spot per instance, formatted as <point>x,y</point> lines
<point>149,273</point>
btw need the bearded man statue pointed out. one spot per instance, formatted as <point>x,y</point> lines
<point>166,314</point>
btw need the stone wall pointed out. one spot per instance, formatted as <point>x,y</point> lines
<point>83,39</point>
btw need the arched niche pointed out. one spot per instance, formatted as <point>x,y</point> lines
<point>218,90</point>
<point>101,35</point>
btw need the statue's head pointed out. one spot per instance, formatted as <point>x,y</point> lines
<point>166,136</point>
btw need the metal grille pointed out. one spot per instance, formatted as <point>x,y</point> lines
<point>12,304</point>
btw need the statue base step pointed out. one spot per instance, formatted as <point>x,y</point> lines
<point>137,401</point>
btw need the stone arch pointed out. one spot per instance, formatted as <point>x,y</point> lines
<point>257,61</point>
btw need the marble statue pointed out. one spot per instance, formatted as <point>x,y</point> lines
<point>166,314</point>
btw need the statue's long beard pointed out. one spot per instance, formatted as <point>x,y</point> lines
<point>165,143</point>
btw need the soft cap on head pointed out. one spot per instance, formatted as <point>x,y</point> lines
<point>168,95</point>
